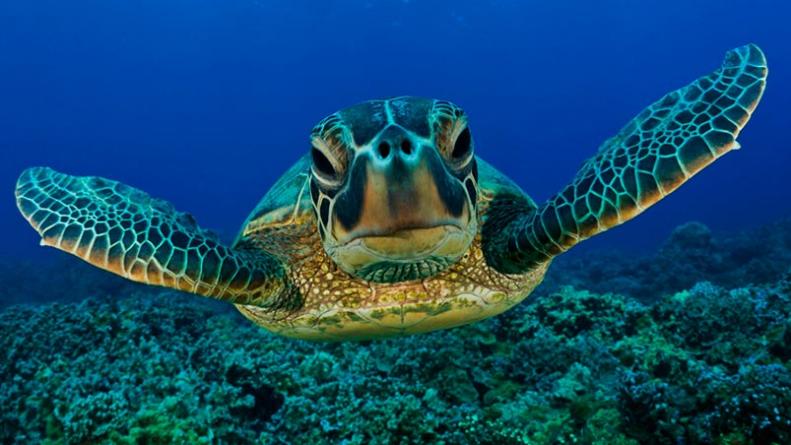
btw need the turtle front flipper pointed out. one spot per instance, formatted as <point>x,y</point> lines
<point>123,230</point>
<point>653,155</point>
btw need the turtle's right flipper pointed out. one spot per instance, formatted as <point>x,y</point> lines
<point>660,149</point>
<point>123,230</point>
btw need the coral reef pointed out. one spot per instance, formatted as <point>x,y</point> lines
<point>61,278</point>
<point>692,254</point>
<point>708,362</point>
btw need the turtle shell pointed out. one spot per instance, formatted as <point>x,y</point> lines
<point>288,198</point>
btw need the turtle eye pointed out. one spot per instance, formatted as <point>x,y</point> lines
<point>463,145</point>
<point>323,166</point>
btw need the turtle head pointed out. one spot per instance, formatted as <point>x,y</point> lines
<point>394,186</point>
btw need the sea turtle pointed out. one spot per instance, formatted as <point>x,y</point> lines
<point>391,224</point>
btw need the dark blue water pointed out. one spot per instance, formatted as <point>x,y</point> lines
<point>205,103</point>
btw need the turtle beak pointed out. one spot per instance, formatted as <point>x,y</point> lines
<point>401,201</point>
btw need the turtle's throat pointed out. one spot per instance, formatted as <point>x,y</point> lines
<point>403,255</point>
<point>407,245</point>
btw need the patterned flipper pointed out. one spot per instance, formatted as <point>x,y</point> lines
<point>652,156</point>
<point>123,230</point>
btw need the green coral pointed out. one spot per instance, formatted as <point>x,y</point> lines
<point>692,254</point>
<point>707,365</point>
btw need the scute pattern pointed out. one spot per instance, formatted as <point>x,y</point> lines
<point>654,154</point>
<point>287,194</point>
<point>123,230</point>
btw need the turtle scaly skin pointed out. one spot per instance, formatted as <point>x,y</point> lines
<point>660,149</point>
<point>392,225</point>
<point>123,230</point>
<point>339,305</point>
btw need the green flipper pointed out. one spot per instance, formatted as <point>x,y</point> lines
<point>652,156</point>
<point>123,230</point>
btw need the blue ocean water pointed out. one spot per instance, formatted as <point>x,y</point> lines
<point>205,103</point>
<point>672,329</point>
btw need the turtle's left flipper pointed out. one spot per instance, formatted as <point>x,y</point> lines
<point>653,155</point>
<point>123,230</point>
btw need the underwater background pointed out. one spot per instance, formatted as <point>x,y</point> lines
<point>672,329</point>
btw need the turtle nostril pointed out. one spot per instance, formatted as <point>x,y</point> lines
<point>406,146</point>
<point>384,149</point>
